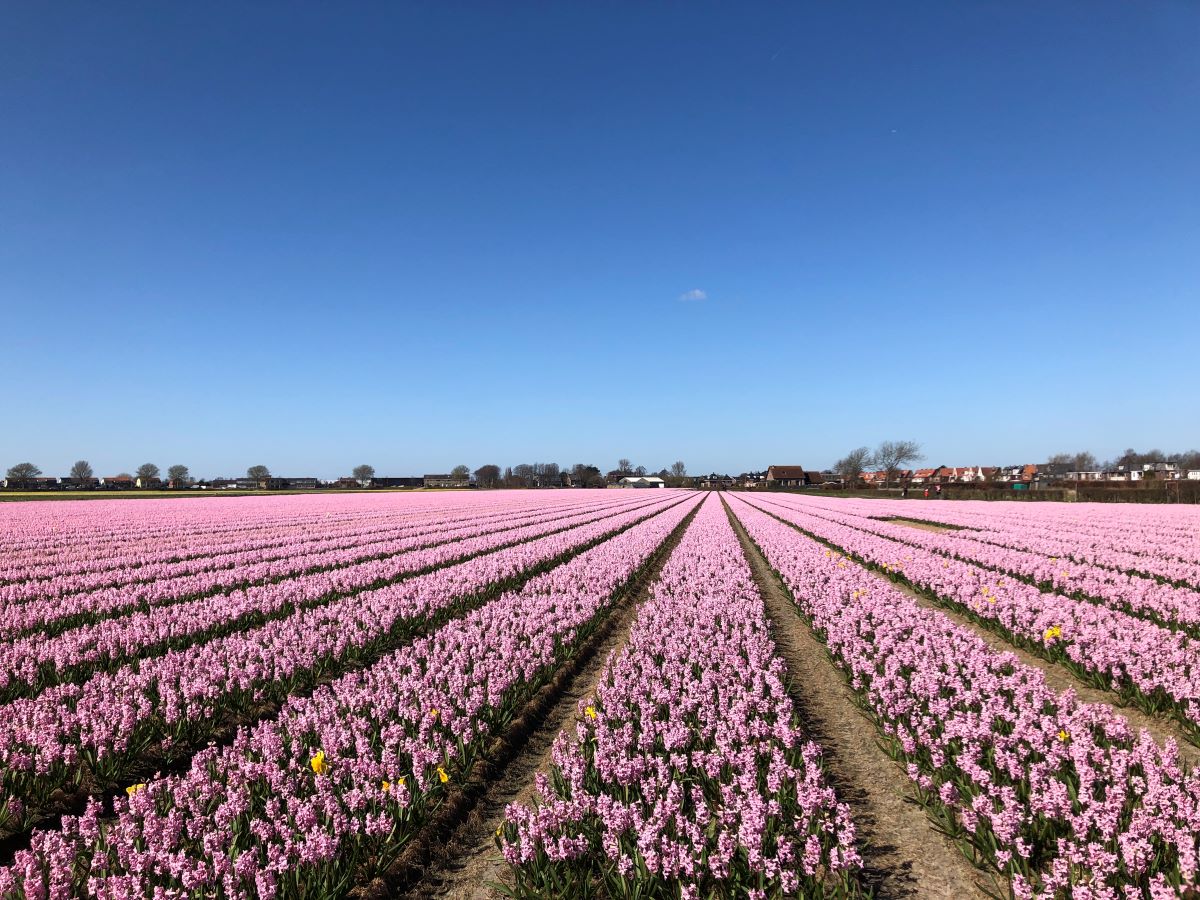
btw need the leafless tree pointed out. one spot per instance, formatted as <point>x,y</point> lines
<point>363,472</point>
<point>82,473</point>
<point>147,472</point>
<point>678,469</point>
<point>25,471</point>
<point>891,456</point>
<point>624,466</point>
<point>178,474</point>
<point>258,472</point>
<point>851,466</point>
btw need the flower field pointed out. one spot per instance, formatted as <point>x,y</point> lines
<point>298,697</point>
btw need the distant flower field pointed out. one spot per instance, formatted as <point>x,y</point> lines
<point>307,696</point>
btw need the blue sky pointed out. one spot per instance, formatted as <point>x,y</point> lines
<point>418,235</point>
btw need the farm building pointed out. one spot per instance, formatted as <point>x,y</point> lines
<point>445,481</point>
<point>640,481</point>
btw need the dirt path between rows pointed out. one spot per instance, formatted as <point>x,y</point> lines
<point>922,526</point>
<point>469,864</point>
<point>903,855</point>
<point>1059,678</point>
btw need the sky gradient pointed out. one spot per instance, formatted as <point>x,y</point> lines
<point>420,235</point>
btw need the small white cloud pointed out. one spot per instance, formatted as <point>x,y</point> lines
<point>693,296</point>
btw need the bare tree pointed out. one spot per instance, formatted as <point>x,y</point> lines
<point>363,472</point>
<point>851,466</point>
<point>460,472</point>
<point>25,471</point>
<point>678,469</point>
<point>178,474</point>
<point>891,456</point>
<point>487,476</point>
<point>147,472</point>
<point>624,466</point>
<point>258,472</point>
<point>82,473</point>
<point>640,471</point>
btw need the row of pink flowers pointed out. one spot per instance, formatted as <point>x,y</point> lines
<point>108,723</point>
<point>1140,595</point>
<point>1153,666</point>
<point>1059,797</point>
<point>122,569</point>
<point>687,773</point>
<point>93,535</point>
<point>351,565</point>
<point>332,789</point>
<point>29,664</point>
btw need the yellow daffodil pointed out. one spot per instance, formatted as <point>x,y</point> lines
<point>134,788</point>
<point>442,776</point>
<point>590,712</point>
<point>1054,631</point>
<point>434,713</point>
<point>318,764</point>
<point>1063,736</point>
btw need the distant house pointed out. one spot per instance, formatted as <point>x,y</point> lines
<point>640,481</point>
<point>923,476</point>
<point>118,482</point>
<point>787,477</point>
<point>150,483</point>
<point>1085,476</point>
<point>41,483</point>
<point>1193,474</point>
<point>445,481</point>
<point>715,482</point>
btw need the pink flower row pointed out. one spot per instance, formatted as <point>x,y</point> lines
<point>109,722</point>
<point>340,780</point>
<point>688,768</point>
<point>1147,663</point>
<point>1059,797</point>
<point>282,543</point>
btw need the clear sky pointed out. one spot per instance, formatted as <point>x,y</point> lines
<point>313,235</point>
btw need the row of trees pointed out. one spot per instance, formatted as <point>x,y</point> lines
<point>889,457</point>
<point>83,473</point>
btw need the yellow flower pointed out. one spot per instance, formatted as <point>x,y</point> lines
<point>841,565</point>
<point>386,786</point>
<point>499,830</point>
<point>991,599</point>
<point>134,788</point>
<point>434,713</point>
<point>318,764</point>
<point>442,776</point>
<point>829,553</point>
<point>590,712</point>
<point>1063,736</point>
<point>1054,631</point>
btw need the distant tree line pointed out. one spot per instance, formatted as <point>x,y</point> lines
<point>890,457</point>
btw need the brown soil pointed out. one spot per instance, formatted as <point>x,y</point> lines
<point>923,526</point>
<point>903,855</point>
<point>467,865</point>
<point>1060,678</point>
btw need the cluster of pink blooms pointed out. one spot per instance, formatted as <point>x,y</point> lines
<point>687,775</point>
<point>108,722</point>
<point>331,789</point>
<point>1163,602</point>
<point>1059,796</point>
<point>33,662</point>
<point>1150,665</point>
<point>1163,541</point>
<point>249,559</point>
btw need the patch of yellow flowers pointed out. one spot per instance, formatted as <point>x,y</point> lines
<point>318,764</point>
<point>1054,631</point>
